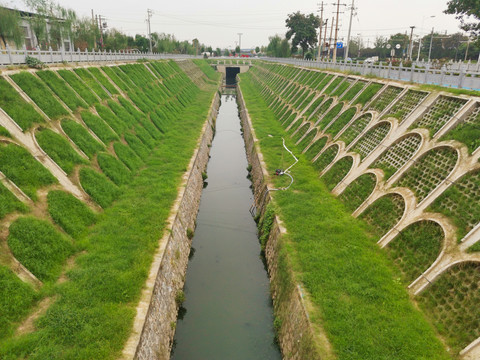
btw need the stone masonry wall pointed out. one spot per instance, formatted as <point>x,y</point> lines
<point>154,326</point>
<point>295,335</point>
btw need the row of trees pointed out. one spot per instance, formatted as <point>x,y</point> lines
<point>52,24</point>
<point>302,33</point>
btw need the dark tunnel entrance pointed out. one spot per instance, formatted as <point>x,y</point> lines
<point>231,73</point>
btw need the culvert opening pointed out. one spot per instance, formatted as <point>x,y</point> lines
<point>231,75</point>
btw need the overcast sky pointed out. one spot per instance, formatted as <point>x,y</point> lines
<point>217,22</point>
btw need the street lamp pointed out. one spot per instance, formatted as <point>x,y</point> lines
<point>420,42</point>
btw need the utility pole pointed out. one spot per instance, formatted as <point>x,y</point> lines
<point>430,49</point>
<point>410,46</point>
<point>320,32</point>
<point>149,15</point>
<point>240,42</point>
<point>349,30</point>
<point>100,26</point>
<point>330,41</point>
<point>466,51</point>
<point>334,58</point>
<point>94,35</point>
<point>325,35</point>
<point>420,41</point>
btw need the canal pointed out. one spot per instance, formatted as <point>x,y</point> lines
<point>227,313</point>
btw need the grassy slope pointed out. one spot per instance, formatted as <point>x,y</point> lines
<point>364,308</point>
<point>93,316</point>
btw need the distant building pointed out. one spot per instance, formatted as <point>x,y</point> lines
<point>30,40</point>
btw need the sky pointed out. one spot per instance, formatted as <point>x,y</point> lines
<point>217,23</point>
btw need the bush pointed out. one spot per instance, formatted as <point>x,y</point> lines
<point>39,247</point>
<point>69,212</point>
<point>9,203</point>
<point>34,63</point>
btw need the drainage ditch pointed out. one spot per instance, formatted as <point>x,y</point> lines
<point>227,310</point>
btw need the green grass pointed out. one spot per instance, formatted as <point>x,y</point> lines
<point>40,94</point>
<point>80,88</point>
<point>111,119</point>
<point>18,109</point>
<point>384,214</point>
<point>81,138</point>
<point>359,85</point>
<point>60,88</point>
<point>122,113</point>
<point>453,303</point>
<point>358,191</point>
<point>69,213</point>
<point>137,145</point>
<point>137,114</point>
<point>97,185</point>
<point>467,131</point>
<point>316,148</point>
<point>20,167</point>
<point>39,247</point>
<point>99,127</point>
<point>365,311</point>
<point>91,82</point>
<point>368,93</point>
<point>4,132</point>
<point>330,115</point>
<point>114,169</point>
<point>416,248</point>
<point>207,69</point>
<point>341,121</point>
<point>114,77</point>
<point>16,298</point>
<point>127,156</point>
<point>94,313</point>
<point>59,149</point>
<point>337,172</point>
<point>103,80</point>
<point>9,203</point>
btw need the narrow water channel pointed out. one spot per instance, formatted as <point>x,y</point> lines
<point>227,313</point>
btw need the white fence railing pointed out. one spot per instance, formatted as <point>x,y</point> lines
<point>16,57</point>
<point>461,79</point>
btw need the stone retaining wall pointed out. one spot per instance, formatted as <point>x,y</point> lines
<point>295,334</point>
<point>154,326</point>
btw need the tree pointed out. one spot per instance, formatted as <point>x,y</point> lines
<point>466,11</point>
<point>303,30</point>
<point>10,26</point>
<point>278,47</point>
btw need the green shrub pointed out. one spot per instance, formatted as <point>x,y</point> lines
<point>114,169</point>
<point>18,109</point>
<point>59,149</point>
<point>81,138</point>
<point>99,127</point>
<point>69,212</point>
<point>127,156</point>
<point>39,247</point>
<point>16,298</point>
<point>40,94</point>
<point>80,88</point>
<point>102,190</point>
<point>27,173</point>
<point>60,88</point>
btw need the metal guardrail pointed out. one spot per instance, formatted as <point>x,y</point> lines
<point>461,79</point>
<point>18,57</point>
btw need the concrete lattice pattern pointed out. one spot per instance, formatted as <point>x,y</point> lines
<point>412,172</point>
